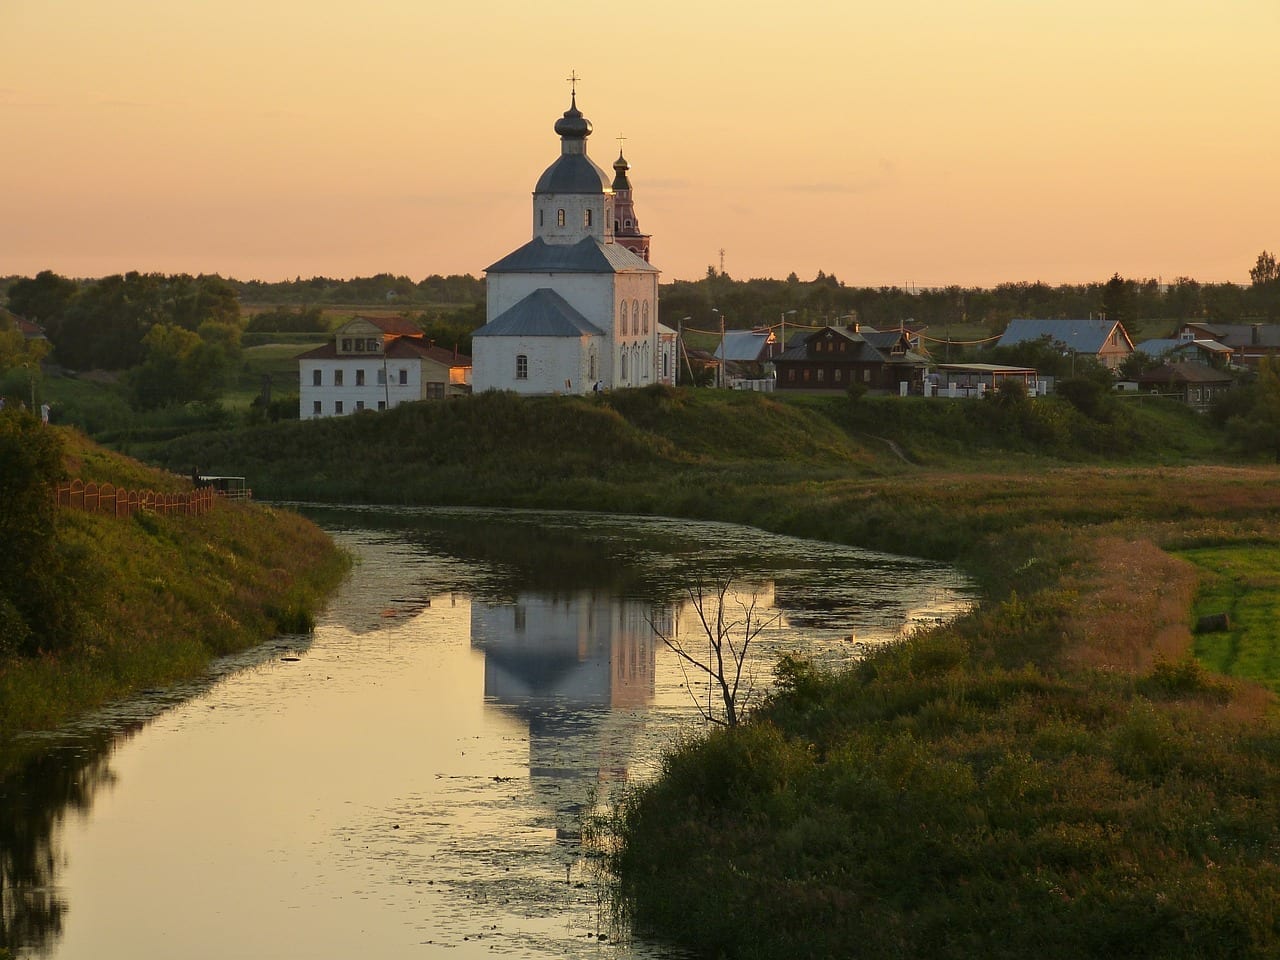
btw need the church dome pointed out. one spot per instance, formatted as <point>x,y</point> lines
<point>620,168</point>
<point>573,171</point>
<point>573,125</point>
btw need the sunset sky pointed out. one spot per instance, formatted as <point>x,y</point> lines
<point>912,141</point>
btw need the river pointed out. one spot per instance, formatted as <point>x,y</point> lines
<point>411,780</point>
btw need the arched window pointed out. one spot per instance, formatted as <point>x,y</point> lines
<point>591,366</point>
<point>622,318</point>
<point>635,317</point>
<point>646,318</point>
<point>560,218</point>
<point>646,368</point>
<point>666,365</point>
<point>622,366</point>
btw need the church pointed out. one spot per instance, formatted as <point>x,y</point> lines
<point>576,308</point>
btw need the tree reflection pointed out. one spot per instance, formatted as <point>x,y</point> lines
<point>34,801</point>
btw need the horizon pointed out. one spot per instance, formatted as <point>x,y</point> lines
<point>924,146</point>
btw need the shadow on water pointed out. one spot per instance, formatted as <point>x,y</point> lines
<point>63,772</point>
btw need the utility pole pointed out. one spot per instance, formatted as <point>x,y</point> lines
<point>723,356</point>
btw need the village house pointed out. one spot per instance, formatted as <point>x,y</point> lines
<point>377,363</point>
<point>1188,349</point>
<point>832,358</point>
<point>744,353</point>
<point>1194,384</point>
<point>1106,341</point>
<point>1248,342</point>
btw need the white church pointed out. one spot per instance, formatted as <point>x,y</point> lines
<point>575,308</point>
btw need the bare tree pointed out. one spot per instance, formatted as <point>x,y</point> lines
<point>728,641</point>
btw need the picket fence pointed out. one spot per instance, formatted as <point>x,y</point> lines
<point>110,499</point>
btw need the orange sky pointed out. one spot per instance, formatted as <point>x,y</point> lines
<point>918,141</point>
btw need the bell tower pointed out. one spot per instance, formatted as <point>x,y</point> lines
<point>626,226</point>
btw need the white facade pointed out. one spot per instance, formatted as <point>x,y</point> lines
<point>571,309</point>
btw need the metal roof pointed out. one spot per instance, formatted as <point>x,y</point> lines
<point>744,346</point>
<point>543,313</point>
<point>588,255</point>
<point>1083,336</point>
<point>573,173</point>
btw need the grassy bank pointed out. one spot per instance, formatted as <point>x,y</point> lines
<point>1054,773</point>
<point>159,596</point>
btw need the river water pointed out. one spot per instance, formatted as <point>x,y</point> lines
<point>411,779</point>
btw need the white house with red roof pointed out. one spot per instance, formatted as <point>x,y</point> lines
<point>377,363</point>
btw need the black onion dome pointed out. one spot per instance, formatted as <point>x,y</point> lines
<point>573,125</point>
<point>620,168</point>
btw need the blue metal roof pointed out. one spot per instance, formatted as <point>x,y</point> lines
<point>744,346</point>
<point>1083,336</point>
<point>588,255</point>
<point>543,313</point>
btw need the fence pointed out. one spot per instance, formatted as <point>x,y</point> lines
<point>109,499</point>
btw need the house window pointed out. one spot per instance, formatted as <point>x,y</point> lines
<point>382,404</point>
<point>821,374</point>
<point>337,378</point>
<point>866,374</point>
<point>559,218</point>
<point>346,344</point>
<point>791,374</point>
<point>359,378</point>
<point>372,345</point>
<point>836,376</point>
<point>382,378</point>
<point>359,404</point>
<point>586,217</point>
<point>337,406</point>
<point>806,374</point>
<point>435,391</point>
<point>522,367</point>
<point>316,378</point>
<point>315,408</point>
<point>666,365</point>
<point>404,377</point>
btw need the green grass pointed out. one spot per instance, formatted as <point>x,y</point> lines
<point>1243,582</point>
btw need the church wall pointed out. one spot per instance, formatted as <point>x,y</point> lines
<point>554,364</point>
<point>546,207</point>
<point>641,364</point>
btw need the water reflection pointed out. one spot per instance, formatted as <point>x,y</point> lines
<point>415,773</point>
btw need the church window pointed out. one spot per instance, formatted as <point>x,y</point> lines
<point>628,224</point>
<point>615,226</point>
<point>559,218</point>
<point>622,317</point>
<point>540,217</point>
<point>666,365</point>
<point>635,316</point>
<point>623,365</point>
<point>644,359</point>
<point>315,378</point>
<point>522,367</point>
<point>646,317</point>
<point>591,368</point>
<point>337,378</point>
<point>586,217</point>
<point>359,378</point>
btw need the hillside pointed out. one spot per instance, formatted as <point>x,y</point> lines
<point>152,598</point>
<point>665,450</point>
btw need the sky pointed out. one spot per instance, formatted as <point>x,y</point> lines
<point>900,142</point>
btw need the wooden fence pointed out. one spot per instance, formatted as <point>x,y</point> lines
<point>110,499</point>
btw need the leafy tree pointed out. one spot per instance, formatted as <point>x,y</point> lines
<point>36,589</point>
<point>1265,270</point>
<point>179,367</point>
<point>1118,299</point>
<point>1257,428</point>
<point>43,299</point>
<point>1136,364</point>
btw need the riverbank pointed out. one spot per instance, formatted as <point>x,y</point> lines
<point>1053,773</point>
<point>158,597</point>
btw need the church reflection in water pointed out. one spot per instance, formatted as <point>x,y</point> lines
<point>571,666</point>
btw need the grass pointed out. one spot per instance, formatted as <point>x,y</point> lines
<point>1242,581</point>
<point>160,596</point>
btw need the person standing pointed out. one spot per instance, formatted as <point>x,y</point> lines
<point>44,412</point>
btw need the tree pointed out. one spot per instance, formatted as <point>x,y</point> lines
<point>180,366</point>
<point>36,609</point>
<point>1257,428</point>
<point>1118,299</point>
<point>1265,270</point>
<point>725,661</point>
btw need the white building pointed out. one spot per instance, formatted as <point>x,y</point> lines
<point>376,363</point>
<point>573,307</point>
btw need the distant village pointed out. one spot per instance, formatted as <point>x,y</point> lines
<point>575,311</point>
